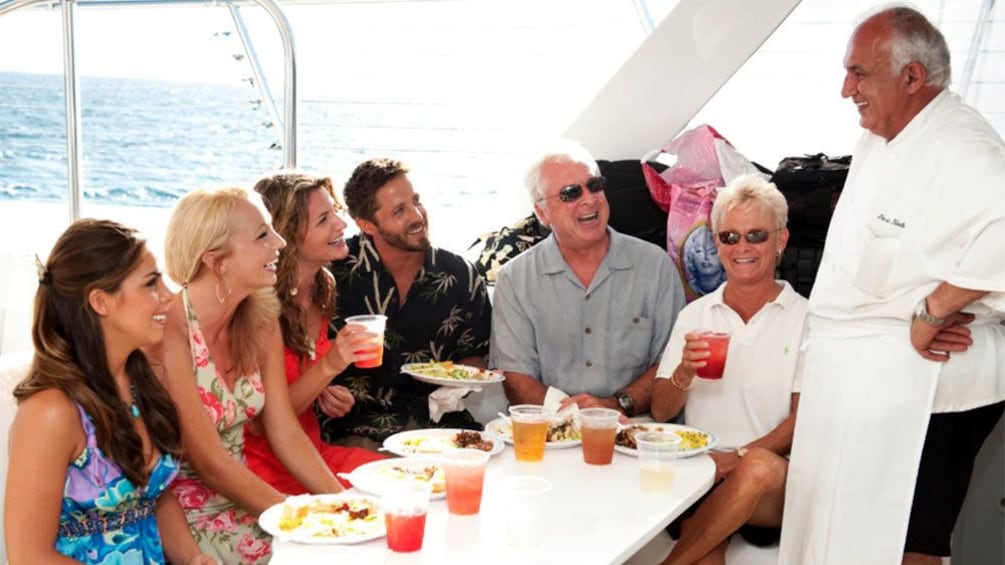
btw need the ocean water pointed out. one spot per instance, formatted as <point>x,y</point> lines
<point>146,143</point>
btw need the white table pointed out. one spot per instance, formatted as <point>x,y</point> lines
<point>599,515</point>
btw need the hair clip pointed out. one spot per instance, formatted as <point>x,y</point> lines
<point>43,273</point>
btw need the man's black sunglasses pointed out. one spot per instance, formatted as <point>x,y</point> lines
<point>752,236</point>
<point>574,192</point>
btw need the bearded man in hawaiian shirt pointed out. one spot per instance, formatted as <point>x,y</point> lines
<point>436,304</point>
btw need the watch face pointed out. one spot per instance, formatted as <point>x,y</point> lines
<point>921,312</point>
<point>626,403</point>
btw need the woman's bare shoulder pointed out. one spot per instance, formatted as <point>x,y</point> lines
<point>50,410</point>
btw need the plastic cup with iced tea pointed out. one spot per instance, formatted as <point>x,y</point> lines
<point>718,345</point>
<point>375,324</point>
<point>599,426</point>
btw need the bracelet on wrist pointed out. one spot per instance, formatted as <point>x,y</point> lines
<point>678,386</point>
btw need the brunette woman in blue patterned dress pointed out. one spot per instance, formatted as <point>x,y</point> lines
<point>95,490</point>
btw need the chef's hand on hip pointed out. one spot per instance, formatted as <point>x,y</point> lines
<point>936,343</point>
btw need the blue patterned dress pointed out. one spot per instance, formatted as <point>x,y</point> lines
<point>104,519</point>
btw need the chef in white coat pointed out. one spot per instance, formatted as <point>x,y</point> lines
<point>905,338</point>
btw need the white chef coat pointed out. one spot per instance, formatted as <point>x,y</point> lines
<point>927,207</point>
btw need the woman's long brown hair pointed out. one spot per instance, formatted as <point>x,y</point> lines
<point>70,350</point>
<point>286,196</point>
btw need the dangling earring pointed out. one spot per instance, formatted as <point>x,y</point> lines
<point>293,291</point>
<point>222,297</point>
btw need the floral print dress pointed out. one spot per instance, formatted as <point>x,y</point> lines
<point>221,529</point>
<point>104,518</point>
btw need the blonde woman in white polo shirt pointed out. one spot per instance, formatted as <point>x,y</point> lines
<point>752,407</point>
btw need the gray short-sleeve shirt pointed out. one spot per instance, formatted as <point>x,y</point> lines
<point>596,340</point>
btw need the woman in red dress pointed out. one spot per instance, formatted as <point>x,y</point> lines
<point>305,211</point>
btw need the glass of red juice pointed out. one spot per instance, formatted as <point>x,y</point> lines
<point>718,344</point>
<point>404,506</point>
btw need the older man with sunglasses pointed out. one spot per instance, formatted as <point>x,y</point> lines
<point>752,408</point>
<point>588,310</point>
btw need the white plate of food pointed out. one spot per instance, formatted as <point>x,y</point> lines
<point>562,432</point>
<point>693,440</point>
<point>448,373</point>
<point>434,441</point>
<point>325,519</point>
<point>376,477</point>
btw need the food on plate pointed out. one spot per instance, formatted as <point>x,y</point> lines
<point>561,430</point>
<point>472,440</point>
<point>690,439</point>
<point>317,518</point>
<point>424,444</point>
<point>448,370</point>
<point>432,474</point>
<point>564,430</point>
<point>437,444</point>
<point>626,435</point>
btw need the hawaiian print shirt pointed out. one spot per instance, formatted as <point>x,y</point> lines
<point>446,316</point>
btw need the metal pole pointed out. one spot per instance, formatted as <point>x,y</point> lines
<point>256,67</point>
<point>981,31</point>
<point>11,5</point>
<point>72,88</point>
<point>289,79</point>
<point>644,17</point>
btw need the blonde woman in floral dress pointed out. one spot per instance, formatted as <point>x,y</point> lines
<point>224,353</point>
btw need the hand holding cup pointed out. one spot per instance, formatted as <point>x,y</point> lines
<point>704,354</point>
<point>351,345</point>
<point>369,352</point>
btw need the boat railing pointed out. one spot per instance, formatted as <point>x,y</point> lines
<point>74,149</point>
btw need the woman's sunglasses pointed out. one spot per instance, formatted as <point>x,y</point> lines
<point>752,236</point>
<point>574,192</point>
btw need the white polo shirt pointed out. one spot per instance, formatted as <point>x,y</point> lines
<point>755,392</point>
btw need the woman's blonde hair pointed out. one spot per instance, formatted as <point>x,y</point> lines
<point>200,224</point>
<point>750,190</point>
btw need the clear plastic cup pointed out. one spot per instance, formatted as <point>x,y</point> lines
<point>465,474</point>
<point>718,345</point>
<point>404,504</point>
<point>527,509</point>
<point>375,324</point>
<point>657,459</point>
<point>599,426</point>
<point>530,430</point>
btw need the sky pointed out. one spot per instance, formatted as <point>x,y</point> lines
<point>185,43</point>
<point>121,42</point>
<point>505,55</point>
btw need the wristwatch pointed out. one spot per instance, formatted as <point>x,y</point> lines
<point>741,451</point>
<point>626,403</point>
<point>921,313</point>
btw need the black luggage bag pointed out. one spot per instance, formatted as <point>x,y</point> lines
<point>812,185</point>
